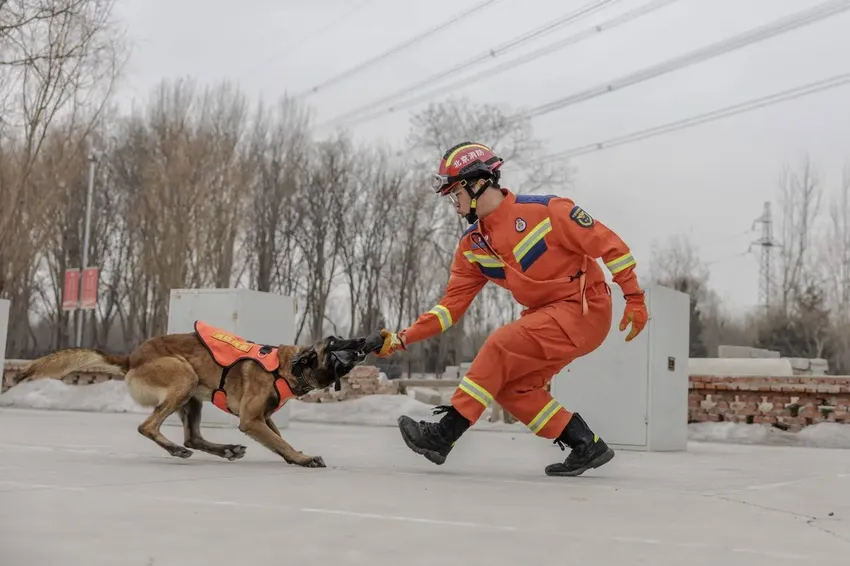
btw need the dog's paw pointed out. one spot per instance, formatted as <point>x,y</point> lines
<point>314,462</point>
<point>234,451</point>
<point>181,452</point>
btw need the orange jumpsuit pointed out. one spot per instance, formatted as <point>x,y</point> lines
<point>542,249</point>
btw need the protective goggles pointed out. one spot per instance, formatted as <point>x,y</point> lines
<point>441,183</point>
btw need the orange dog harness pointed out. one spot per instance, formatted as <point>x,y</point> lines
<point>227,350</point>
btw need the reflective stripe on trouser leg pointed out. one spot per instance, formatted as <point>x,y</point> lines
<point>547,414</point>
<point>536,408</point>
<point>470,399</point>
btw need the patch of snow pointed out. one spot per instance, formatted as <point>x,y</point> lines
<point>105,397</point>
<point>826,435</point>
<point>820,435</point>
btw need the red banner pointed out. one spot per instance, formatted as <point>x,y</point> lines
<point>71,289</point>
<point>89,298</point>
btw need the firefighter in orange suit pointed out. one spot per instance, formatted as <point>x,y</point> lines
<point>544,250</point>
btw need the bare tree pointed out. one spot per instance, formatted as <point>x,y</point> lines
<point>327,191</point>
<point>835,250</point>
<point>834,262</point>
<point>66,169</point>
<point>801,326</point>
<point>160,162</point>
<point>276,155</point>
<point>676,264</point>
<point>222,202</point>
<point>58,63</point>
<point>800,200</point>
<point>676,259</point>
<point>369,236</point>
<point>58,58</point>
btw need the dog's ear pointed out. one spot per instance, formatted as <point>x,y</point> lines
<point>306,359</point>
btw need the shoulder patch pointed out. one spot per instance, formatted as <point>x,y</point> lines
<point>534,199</point>
<point>581,217</point>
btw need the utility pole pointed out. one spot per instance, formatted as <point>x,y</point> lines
<point>767,243</point>
<point>86,238</point>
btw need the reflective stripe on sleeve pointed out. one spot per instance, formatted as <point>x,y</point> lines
<point>483,260</point>
<point>623,262</point>
<point>443,315</point>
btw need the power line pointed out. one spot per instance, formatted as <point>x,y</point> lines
<point>725,258</point>
<point>311,35</point>
<point>442,26</point>
<point>778,27</point>
<point>585,10</point>
<point>747,106</point>
<point>528,57</point>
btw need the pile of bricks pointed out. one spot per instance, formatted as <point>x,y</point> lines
<point>360,381</point>
<point>789,403</point>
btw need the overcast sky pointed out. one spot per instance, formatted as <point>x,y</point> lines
<point>709,181</point>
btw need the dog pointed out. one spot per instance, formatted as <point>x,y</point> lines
<point>179,372</point>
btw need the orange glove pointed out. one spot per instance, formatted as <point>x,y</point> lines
<point>393,342</point>
<point>635,312</point>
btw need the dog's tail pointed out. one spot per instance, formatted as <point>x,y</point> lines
<point>64,362</point>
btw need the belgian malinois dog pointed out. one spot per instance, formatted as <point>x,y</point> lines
<point>178,372</point>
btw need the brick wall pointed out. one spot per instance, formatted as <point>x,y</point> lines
<point>789,403</point>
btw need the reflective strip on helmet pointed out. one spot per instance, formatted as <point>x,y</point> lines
<point>475,391</point>
<point>623,262</point>
<point>544,416</point>
<point>443,315</point>
<point>453,154</point>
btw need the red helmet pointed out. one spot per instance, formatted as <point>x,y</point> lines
<point>466,161</point>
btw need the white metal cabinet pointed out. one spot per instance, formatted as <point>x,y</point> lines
<point>635,395</point>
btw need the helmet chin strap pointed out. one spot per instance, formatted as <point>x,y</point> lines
<point>471,216</point>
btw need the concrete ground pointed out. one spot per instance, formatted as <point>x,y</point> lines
<point>86,489</point>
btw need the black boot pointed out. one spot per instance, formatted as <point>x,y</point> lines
<point>434,440</point>
<point>588,450</point>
